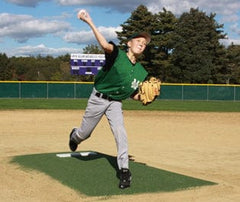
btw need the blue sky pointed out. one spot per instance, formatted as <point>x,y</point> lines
<point>50,27</point>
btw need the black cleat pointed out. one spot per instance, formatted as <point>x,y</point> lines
<point>125,178</point>
<point>72,145</point>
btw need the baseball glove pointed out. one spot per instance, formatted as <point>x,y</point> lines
<point>149,90</point>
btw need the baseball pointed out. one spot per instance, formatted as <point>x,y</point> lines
<point>82,12</point>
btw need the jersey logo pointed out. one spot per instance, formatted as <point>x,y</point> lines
<point>135,84</point>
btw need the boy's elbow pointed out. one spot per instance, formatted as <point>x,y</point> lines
<point>107,47</point>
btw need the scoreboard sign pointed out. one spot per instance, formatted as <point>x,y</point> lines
<point>86,64</point>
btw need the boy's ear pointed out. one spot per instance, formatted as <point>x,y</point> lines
<point>129,43</point>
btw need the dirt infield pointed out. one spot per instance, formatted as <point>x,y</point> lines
<point>201,145</point>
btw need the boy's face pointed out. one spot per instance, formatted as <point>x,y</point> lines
<point>137,45</point>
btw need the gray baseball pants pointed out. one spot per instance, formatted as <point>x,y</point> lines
<point>96,108</point>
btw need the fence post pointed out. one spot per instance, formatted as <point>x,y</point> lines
<point>234,93</point>
<point>47,90</point>
<point>182,92</point>
<point>19,90</point>
<point>207,92</point>
<point>74,93</point>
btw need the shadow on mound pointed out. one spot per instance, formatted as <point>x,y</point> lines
<point>96,174</point>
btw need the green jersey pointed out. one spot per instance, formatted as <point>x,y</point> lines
<point>121,79</point>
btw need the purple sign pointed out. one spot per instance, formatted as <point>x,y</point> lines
<point>86,64</point>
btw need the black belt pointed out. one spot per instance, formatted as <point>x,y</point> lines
<point>101,95</point>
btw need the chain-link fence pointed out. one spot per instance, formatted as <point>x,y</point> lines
<point>12,89</point>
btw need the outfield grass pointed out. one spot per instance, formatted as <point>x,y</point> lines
<point>158,105</point>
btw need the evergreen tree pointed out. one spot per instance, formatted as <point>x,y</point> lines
<point>162,39</point>
<point>93,49</point>
<point>197,51</point>
<point>6,69</point>
<point>139,21</point>
<point>233,55</point>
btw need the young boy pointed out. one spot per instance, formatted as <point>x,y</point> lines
<point>116,81</point>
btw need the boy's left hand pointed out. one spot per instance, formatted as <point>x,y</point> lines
<point>149,90</point>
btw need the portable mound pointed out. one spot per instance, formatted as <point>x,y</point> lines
<point>95,174</point>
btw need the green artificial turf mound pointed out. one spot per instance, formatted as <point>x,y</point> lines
<point>95,174</point>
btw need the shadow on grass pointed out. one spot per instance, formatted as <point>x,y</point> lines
<point>96,174</point>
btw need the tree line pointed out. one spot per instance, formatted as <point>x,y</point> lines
<point>184,49</point>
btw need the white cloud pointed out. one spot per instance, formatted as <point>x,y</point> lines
<point>235,28</point>
<point>79,37</point>
<point>117,5</point>
<point>23,27</point>
<point>227,9</point>
<point>223,7</point>
<point>175,6</point>
<point>87,37</point>
<point>227,42</point>
<point>28,3</point>
<point>41,49</point>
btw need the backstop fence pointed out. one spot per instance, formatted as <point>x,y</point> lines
<point>42,89</point>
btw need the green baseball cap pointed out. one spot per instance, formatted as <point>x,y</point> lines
<point>141,34</point>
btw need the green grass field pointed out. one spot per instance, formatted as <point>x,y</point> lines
<point>159,105</point>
